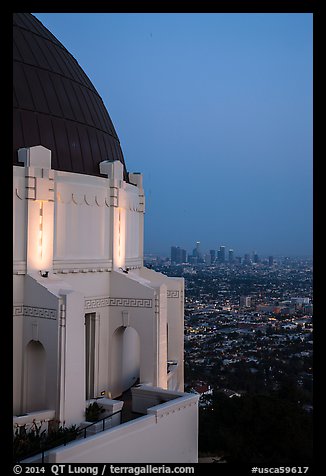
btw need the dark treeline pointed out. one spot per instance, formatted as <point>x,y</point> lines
<point>255,430</point>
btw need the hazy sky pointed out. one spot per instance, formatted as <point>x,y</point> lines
<point>215,110</point>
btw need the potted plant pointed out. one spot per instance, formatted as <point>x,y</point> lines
<point>94,412</point>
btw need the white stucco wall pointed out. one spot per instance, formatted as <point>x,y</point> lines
<point>82,214</point>
<point>167,434</point>
<point>175,319</point>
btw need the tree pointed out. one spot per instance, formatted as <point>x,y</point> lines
<point>256,430</point>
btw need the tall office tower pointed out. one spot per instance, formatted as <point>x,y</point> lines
<point>178,255</point>
<point>197,254</point>
<point>90,322</point>
<point>270,261</point>
<point>246,259</point>
<point>207,259</point>
<point>255,257</point>
<point>175,254</point>
<point>213,256</point>
<point>221,254</point>
<point>231,256</point>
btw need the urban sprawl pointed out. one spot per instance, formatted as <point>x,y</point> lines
<point>248,323</point>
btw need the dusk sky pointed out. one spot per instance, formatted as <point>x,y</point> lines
<point>215,110</point>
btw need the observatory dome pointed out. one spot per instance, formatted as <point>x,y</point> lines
<point>56,105</point>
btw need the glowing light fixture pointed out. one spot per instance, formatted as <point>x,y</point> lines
<point>120,239</point>
<point>40,233</point>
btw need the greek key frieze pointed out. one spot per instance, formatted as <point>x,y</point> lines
<point>173,293</point>
<point>119,302</point>
<point>18,310</point>
<point>30,311</point>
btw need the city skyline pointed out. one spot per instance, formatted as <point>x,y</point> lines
<point>228,250</point>
<point>215,110</point>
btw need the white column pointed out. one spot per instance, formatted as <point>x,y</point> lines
<point>137,179</point>
<point>114,171</point>
<point>39,186</point>
<point>71,358</point>
<point>97,354</point>
<point>60,410</point>
<point>161,355</point>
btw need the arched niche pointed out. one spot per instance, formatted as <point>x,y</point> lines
<point>125,359</point>
<point>35,377</point>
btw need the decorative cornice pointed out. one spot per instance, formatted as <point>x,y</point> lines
<point>96,199</point>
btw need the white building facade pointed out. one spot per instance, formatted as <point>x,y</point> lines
<point>89,320</point>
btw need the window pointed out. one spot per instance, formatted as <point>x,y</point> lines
<point>90,353</point>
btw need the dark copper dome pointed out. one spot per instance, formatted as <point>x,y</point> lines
<point>56,105</point>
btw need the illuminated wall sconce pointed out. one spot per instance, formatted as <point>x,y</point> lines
<point>44,274</point>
